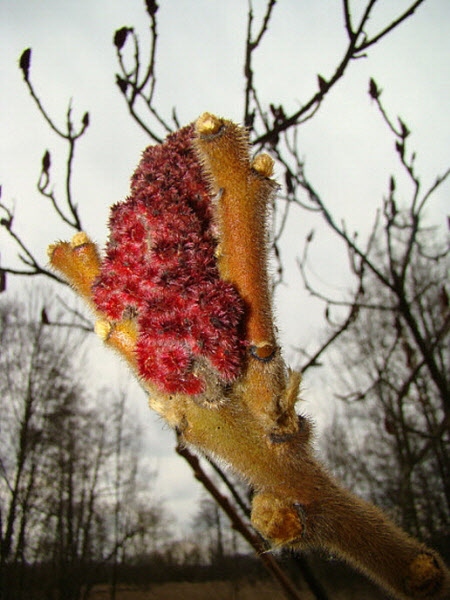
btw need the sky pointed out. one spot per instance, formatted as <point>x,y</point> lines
<point>349,153</point>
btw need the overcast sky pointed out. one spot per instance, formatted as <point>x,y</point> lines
<point>349,152</point>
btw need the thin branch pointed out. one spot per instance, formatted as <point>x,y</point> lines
<point>301,263</point>
<point>75,312</point>
<point>131,87</point>
<point>71,326</point>
<point>251,45</point>
<point>72,139</point>
<point>59,132</point>
<point>248,72</point>
<point>393,25</point>
<point>70,135</point>
<point>265,23</point>
<point>312,362</point>
<point>439,180</point>
<point>348,19</point>
<point>353,51</point>
<point>438,432</point>
<point>27,257</point>
<point>232,488</point>
<point>42,186</point>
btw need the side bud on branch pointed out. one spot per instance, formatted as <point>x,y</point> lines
<point>182,293</point>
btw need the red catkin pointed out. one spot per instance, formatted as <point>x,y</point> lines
<point>160,268</point>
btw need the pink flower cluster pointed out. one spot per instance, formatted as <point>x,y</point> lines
<point>161,269</point>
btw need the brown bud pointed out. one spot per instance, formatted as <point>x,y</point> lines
<point>374,92</point>
<point>120,37</point>
<point>24,62</point>
<point>46,162</point>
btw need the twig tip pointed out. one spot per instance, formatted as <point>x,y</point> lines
<point>103,328</point>
<point>79,239</point>
<point>263,164</point>
<point>208,124</point>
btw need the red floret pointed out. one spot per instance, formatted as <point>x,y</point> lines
<point>160,266</point>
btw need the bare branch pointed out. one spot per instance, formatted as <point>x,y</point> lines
<point>131,86</point>
<point>70,135</point>
<point>438,181</point>
<point>351,244</point>
<point>353,51</point>
<point>408,13</point>
<point>26,256</point>
<point>251,46</point>
<point>348,19</point>
<point>313,360</point>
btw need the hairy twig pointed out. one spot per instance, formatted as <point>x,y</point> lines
<point>252,538</point>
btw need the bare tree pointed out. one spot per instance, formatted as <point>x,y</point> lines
<point>390,397</point>
<point>35,383</point>
<point>395,346</point>
<point>208,522</point>
<point>70,486</point>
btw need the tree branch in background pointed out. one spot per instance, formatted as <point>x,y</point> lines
<point>240,502</point>
<point>71,136</point>
<point>69,214</point>
<point>134,88</point>
<point>25,254</point>
<point>377,37</point>
<point>359,41</point>
<point>396,351</point>
<point>401,232</point>
<point>251,45</point>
